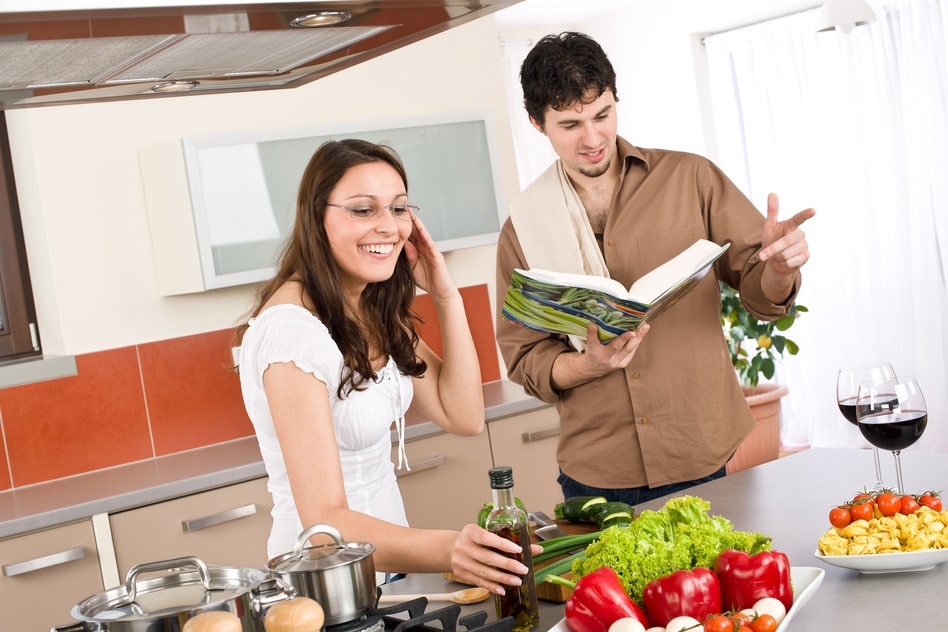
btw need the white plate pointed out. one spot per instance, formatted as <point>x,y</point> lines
<point>897,562</point>
<point>805,580</point>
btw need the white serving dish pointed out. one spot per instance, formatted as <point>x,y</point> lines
<point>805,580</point>
<point>897,562</point>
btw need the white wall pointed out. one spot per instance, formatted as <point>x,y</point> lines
<point>83,205</point>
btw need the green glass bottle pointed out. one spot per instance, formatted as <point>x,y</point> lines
<point>510,522</point>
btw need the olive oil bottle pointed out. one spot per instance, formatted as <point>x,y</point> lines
<point>510,522</point>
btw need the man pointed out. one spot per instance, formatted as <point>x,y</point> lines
<point>659,410</point>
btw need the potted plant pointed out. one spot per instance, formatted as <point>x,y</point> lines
<point>755,346</point>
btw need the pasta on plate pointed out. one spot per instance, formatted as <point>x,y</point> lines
<point>923,530</point>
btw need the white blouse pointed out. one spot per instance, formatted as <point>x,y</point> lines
<point>362,420</point>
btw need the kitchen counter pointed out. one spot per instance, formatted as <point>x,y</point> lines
<point>155,480</point>
<point>789,499</point>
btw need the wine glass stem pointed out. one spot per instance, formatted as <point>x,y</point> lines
<point>875,457</point>
<point>898,471</point>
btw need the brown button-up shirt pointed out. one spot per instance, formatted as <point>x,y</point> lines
<point>676,413</point>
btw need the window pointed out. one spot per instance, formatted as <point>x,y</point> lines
<point>18,335</point>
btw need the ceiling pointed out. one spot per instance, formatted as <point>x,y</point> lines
<point>51,55</point>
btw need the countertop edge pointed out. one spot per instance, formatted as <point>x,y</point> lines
<point>63,501</point>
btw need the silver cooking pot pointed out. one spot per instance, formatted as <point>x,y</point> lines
<point>188,588</point>
<point>340,576</point>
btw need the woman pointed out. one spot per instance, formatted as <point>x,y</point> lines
<point>330,358</point>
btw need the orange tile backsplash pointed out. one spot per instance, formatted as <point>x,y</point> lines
<point>153,399</point>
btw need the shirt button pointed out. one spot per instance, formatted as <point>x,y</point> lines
<point>611,243</point>
<point>635,375</point>
<point>644,420</point>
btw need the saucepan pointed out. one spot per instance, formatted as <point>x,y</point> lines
<point>340,576</point>
<point>187,587</point>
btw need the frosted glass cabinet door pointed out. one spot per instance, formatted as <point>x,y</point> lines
<point>243,188</point>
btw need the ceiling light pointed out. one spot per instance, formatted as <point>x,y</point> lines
<point>322,18</point>
<point>843,15</point>
<point>174,86</point>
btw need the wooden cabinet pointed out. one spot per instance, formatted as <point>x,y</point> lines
<point>229,525</point>
<point>527,443</point>
<point>46,573</point>
<point>447,484</point>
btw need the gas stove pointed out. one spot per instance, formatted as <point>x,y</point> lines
<point>414,616</point>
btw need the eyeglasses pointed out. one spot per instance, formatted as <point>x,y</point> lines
<point>399,211</point>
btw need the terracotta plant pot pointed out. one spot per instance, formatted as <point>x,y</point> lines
<point>763,443</point>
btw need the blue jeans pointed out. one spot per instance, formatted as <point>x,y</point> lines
<point>633,495</point>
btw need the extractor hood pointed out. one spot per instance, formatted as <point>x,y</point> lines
<point>68,55</point>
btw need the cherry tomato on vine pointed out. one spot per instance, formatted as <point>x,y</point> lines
<point>741,618</point>
<point>862,496</point>
<point>908,505</point>
<point>764,623</point>
<point>862,511</point>
<point>931,500</point>
<point>840,517</point>
<point>719,623</point>
<point>888,503</point>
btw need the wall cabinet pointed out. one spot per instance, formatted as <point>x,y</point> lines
<point>447,484</point>
<point>527,443</point>
<point>229,525</point>
<point>46,573</point>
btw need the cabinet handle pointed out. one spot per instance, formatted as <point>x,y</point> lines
<point>546,433</point>
<point>219,518</point>
<point>425,464</point>
<point>53,559</point>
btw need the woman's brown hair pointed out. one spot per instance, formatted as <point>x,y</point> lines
<point>385,307</point>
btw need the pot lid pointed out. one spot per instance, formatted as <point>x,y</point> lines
<point>189,585</point>
<point>322,557</point>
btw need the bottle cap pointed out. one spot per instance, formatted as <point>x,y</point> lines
<point>501,477</point>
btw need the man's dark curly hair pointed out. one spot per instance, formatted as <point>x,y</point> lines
<point>560,70</point>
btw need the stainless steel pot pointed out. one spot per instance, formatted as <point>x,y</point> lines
<point>340,576</point>
<point>188,588</point>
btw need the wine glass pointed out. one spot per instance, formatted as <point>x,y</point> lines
<point>847,388</point>
<point>891,414</point>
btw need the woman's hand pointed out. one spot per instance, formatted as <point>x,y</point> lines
<point>427,263</point>
<point>478,558</point>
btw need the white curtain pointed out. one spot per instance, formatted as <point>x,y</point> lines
<point>855,125</point>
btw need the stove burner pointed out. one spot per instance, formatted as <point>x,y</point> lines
<point>412,616</point>
<point>363,624</point>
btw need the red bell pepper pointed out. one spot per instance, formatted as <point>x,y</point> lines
<point>599,600</point>
<point>745,578</point>
<point>695,593</point>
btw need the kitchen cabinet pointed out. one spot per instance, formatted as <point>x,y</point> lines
<point>46,573</point>
<point>447,483</point>
<point>228,525</point>
<point>527,443</point>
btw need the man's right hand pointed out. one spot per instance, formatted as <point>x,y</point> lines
<point>574,369</point>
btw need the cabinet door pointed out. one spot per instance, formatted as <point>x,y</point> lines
<point>527,443</point>
<point>46,573</point>
<point>447,483</point>
<point>228,526</point>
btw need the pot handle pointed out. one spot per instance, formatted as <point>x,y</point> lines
<point>71,627</point>
<point>131,587</point>
<point>326,529</point>
<point>270,591</point>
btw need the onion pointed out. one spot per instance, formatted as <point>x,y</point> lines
<point>301,614</point>
<point>681,623</point>
<point>627,624</point>
<point>213,621</point>
<point>773,607</point>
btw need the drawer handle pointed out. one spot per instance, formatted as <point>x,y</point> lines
<point>425,464</point>
<point>219,518</point>
<point>546,433</point>
<point>53,559</point>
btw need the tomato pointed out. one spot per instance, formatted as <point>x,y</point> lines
<point>862,496</point>
<point>764,623</point>
<point>719,623</point>
<point>908,505</point>
<point>862,511</point>
<point>840,517</point>
<point>741,618</point>
<point>888,503</point>
<point>931,500</point>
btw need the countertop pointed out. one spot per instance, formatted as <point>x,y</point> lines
<point>155,480</point>
<point>789,499</point>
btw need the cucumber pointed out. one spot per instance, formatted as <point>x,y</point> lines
<point>578,508</point>
<point>612,513</point>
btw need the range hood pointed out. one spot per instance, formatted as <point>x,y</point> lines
<point>66,55</point>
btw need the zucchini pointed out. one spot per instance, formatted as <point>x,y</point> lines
<point>613,513</point>
<point>578,508</point>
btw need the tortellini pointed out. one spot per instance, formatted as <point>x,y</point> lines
<point>923,530</point>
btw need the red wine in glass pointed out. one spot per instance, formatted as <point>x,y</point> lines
<point>847,387</point>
